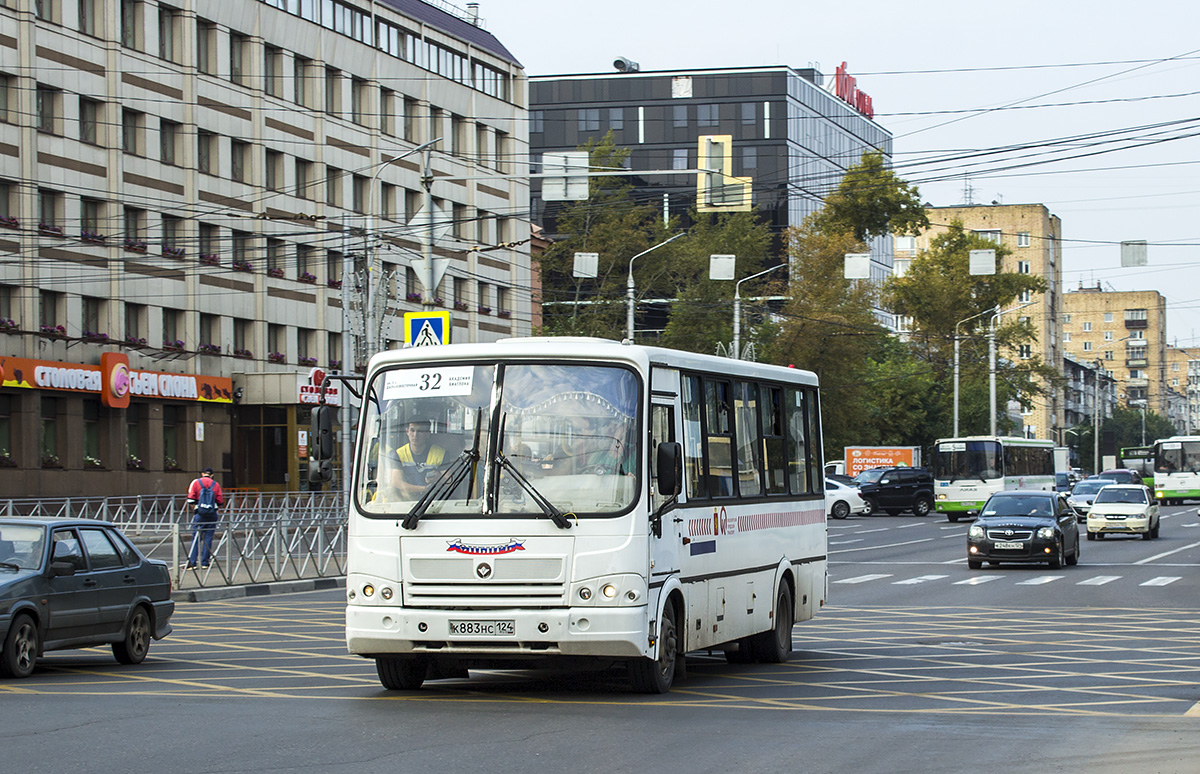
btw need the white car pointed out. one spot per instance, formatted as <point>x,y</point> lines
<point>841,500</point>
<point>1125,509</point>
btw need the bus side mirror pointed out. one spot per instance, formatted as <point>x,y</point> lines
<point>669,469</point>
<point>320,458</point>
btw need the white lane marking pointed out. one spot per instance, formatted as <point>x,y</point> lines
<point>914,524</point>
<point>844,542</point>
<point>1150,559</point>
<point>1041,580</point>
<point>978,580</point>
<point>1189,526</point>
<point>886,545</point>
<point>1099,580</point>
<point>862,578</point>
<point>918,579</point>
<point>1165,580</point>
<point>869,531</point>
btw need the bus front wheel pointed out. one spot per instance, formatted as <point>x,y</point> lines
<point>656,675</point>
<point>401,673</point>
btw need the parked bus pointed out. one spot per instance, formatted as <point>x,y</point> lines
<point>966,471</point>
<point>1177,469</point>
<point>1140,459</point>
<point>581,502</point>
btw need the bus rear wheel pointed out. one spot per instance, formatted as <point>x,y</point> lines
<point>774,646</point>
<point>401,673</point>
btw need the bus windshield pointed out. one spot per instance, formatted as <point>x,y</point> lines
<point>967,459</point>
<point>1177,457</point>
<point>514,438</point>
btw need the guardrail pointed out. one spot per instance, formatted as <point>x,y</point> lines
<point>259,538</point>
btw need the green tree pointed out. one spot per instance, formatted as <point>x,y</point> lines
<point>1123,429</point>
<point>613,225</point>
<point>872,201</point>
<point>702,314</point>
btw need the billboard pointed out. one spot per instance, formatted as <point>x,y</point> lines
<point>860,458</point>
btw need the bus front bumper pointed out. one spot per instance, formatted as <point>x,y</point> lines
<point>613,632</point>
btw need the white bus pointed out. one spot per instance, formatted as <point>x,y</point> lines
<point>966,471</point>
<point>1177,469</point>
<point>587,502</point>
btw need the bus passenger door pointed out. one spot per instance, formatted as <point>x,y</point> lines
<point>665,551</point>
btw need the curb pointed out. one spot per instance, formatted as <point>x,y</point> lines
<point>257,590</point>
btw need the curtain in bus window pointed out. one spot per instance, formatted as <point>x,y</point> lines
<point>797,442</point>
<point>773,442</point>
<point>718,418</point>
<point>693,447</point>
<point>816,476</point>
<point>746,424</point>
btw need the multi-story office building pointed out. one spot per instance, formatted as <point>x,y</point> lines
<point>1125,331</point>
<point>200,186</point>
<point>791,137</point>
<point>1034,235</point>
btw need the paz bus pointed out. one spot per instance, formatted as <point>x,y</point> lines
<point>966,471</point>
<point>1177,469</point>
<point>579,502</point>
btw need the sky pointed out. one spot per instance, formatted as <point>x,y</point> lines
<point>1102,100</point>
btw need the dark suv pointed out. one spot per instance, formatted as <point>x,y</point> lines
<point>893,490</point>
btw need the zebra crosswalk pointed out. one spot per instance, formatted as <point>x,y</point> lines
<point>1018,580</point>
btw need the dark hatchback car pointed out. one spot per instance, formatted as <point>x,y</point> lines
<point>1026,527</point>
<point>893,490</point>
<point>67,583</point>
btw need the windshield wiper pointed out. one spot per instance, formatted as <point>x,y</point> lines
<point>556,516</point>
<point>10,564</point>
<point>451,477</point>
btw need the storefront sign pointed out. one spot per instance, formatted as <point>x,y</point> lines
<point>113,381</point>
<point>308,389</point>
<point>846,88</point>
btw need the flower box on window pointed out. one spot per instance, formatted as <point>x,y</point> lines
<point>307,361</point>
<point>484,309</point>
<point>241,264</point>
<point>306,277</point>
<point>211,259</point>
<point>169,463</point>
<point>439,301</point>
<point>504,313</point>
<point>92,236</point>
<point>335,364</point>
<point>275,271</point>
<point>461,306</point>
<point>335,284</point>
<point>413,296</point>
<point>173,252</point>
<point>209,349</point>
<point>53,331</point>
<point>135,341</point>
<point>135,245</point>
<point>50,230</point>
<point>92,462</point>
<point>51,461</point>
<point>7,324</point>
<point>6,460</point>
<point>245,354</point>
<point>277,357</point>
<point>176,345</point>
<point>9,221</point>
<point>95,336</point>
<point>134,463</point>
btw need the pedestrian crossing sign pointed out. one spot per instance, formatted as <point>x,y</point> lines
<point>426,329</point>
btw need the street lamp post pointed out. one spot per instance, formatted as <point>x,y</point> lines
<point>737,310</point>
<point>957,340</point>
<point>992,361</point>
<point>629,295</point>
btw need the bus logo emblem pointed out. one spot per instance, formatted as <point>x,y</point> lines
<point>484,570</point>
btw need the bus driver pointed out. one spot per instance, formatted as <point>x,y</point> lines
<point>416,464</point>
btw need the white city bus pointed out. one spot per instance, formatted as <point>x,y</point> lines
<point>966,471</point>
<point>588,502</point>
<point>1177,469</point>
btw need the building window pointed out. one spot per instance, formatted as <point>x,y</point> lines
<point>749,115</point>
<point>616,119</point>
<point>679,158</point>
<point>1022,267</point>
<point>1067,319</point>
<point>239,46</point>
<point>88,17</point>
<point>240,250</point>
<point>387,111</point>
<point>358,101</point>
<point>277,342</point>
<point>304,181</point>
<point>1136,314</point>
<point>679,116</point>
<point>172,232</point>
<point>1023,239</point>
<point>275,249</point>
<point>1067,337</point>
<point>360,193</point>
<point>6,92</point>
<point>304,263</point>
<point>135,219</point>
<point>243,337</point>
<point>49,429</point>
<point>334,353</point>
<point>206,152</point>
<point>210,331</point>
<point>589,119</point>
<point>333,266</point>
<point>272,80</point>
<point>707,115</point>
<point>1108,335</point>
<point>387,203</point>
<point>168,22</point>
<point>302,81</point>
<point>333,91</point>
<point>46,10</point>
<point>990,235</point>
<point>168,136</point>
<point>1108,317</point>
<point>48,109</point>
<point>1087,326</point>
<point>273,171</point>
<point>89,121</point>
<point>333,186</point>
<point>239,157</point>
<point>1087,346</point>
<point>209,242</point>
<point>6,433</point>
<point>131,24</point>
<point>409,109</point>
<point>135,324</point>
<point>50,212</point>
<point>172,418</point>
<point>93,316</point>
<point>749,158</point>
<point>132,123</point>
<point>502,307</point>
<point>1025,351</point>
<point>206,47</point>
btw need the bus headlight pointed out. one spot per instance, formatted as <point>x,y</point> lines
<point>941,496</point>
<point>611,591</point>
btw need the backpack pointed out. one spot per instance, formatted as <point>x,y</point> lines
<point>207,503</point>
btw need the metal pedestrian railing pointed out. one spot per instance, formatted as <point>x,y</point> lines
<point>259,537</point>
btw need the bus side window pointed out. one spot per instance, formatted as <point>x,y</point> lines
<point>662,430</point>
<point>693,438</point>
<point>797,441</point>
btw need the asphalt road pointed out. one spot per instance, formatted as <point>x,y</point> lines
<point>918,664</point>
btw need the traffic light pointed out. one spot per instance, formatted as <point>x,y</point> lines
<point>320,457</point>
